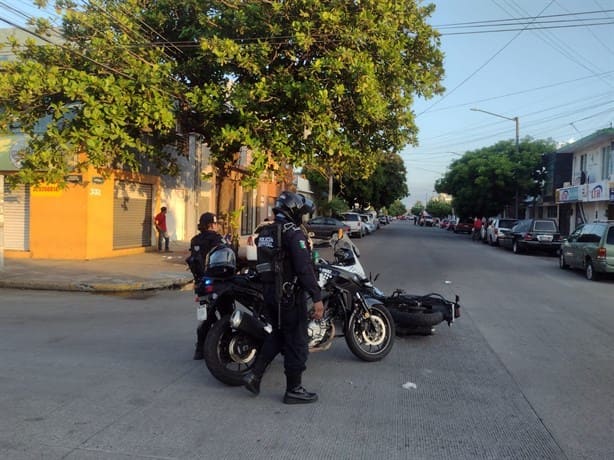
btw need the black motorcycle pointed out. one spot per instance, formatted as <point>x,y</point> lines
<point>234,340</point>
<point>413,314</point>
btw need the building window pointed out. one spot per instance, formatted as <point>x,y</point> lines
<point>583,161</point>
<point>551,212</point>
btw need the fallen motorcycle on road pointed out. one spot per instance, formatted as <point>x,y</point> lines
<point>413,314</point>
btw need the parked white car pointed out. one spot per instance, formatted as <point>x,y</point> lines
<point>369,223</point>
<point>354,221</point>
<point>498,228</point>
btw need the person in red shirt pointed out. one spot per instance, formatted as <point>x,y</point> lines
<point>477,227</point>
<point>160,223</point>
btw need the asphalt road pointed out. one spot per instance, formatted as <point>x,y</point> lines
<point>525,373</point>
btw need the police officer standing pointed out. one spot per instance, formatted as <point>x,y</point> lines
<point>200,245</point>
<point>288,314</point>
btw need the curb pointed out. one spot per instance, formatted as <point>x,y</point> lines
<point>94,286</point>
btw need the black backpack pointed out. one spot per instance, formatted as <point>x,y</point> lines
<point>272,266</point>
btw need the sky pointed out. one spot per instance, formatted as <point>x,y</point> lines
<point>553,68</point>
<point>559,82</point>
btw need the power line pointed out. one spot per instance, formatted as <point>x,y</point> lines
<point>448,93</point>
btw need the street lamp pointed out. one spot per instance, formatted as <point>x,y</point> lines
<point>515,120</point>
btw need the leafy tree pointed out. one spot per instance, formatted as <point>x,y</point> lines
<point>383,187</point>
<point>387,184</point>
<point>484,181</point>
<point>326,83</point>
<point>417,208</point>
<point>397,208</point>
<point>93,92</point>
<point>438,208</point>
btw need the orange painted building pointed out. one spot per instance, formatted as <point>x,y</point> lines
<point>92,217</point>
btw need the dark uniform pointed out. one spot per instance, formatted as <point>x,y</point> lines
<point>289,319</point>
<point>285,293</point>
<point>200,245</point>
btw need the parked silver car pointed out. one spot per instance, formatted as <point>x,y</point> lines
<point>591,248</point>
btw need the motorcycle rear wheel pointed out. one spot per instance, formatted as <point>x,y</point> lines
<point>372,338</point>
<point>229,353</point>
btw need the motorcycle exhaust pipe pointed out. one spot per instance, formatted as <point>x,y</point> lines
<point>249,324</point>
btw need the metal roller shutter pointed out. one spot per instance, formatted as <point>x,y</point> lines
<point>17,218</point>
<point>132,222</point>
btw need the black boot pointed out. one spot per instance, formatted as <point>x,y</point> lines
<point>251,381</point>
<point>295,393</point>
<point>199,351</point>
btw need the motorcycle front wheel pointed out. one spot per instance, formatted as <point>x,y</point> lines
<point>370,337</point>
<point>229,353</point>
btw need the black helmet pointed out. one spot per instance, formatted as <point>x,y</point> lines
<point>293,206</point>
<point>206,220</point>
<point>220,262</point>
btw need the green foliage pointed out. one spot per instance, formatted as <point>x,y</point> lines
<point>486,180</point>
<point>417,208</point>
<point>332,208</point>
<point>397,208</point>
<point>438,208</point>
<point>93,92</point>
<point>384,186</point>
<point>329,83</point>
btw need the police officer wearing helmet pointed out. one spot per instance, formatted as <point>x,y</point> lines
<point>290,316</point>
<point>200,245</point>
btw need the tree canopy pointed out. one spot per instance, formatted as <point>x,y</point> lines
<point>438,208</point>
<point>326,83</point>
<point>484,181</point>
<point>385,185</point>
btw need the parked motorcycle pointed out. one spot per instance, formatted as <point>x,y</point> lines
<point>234,340</point>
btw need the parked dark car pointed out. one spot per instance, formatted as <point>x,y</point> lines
<point>464,225</point>
<point>591,248</point>
<point>532,235</point>
<point>325,227</point>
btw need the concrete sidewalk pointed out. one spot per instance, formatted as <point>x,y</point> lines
<point>149,270</point>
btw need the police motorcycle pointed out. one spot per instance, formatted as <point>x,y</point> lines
<point>412,314</point>
<point>235,338</point>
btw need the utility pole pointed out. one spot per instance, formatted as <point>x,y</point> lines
<point>515,120</point>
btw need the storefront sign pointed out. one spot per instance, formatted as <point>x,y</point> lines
<point>598,191</point>
<point>74,178</point>
<point>11,151</point>
<point>98,180</point>
<point>45,190</point>
<point>568,194</point>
